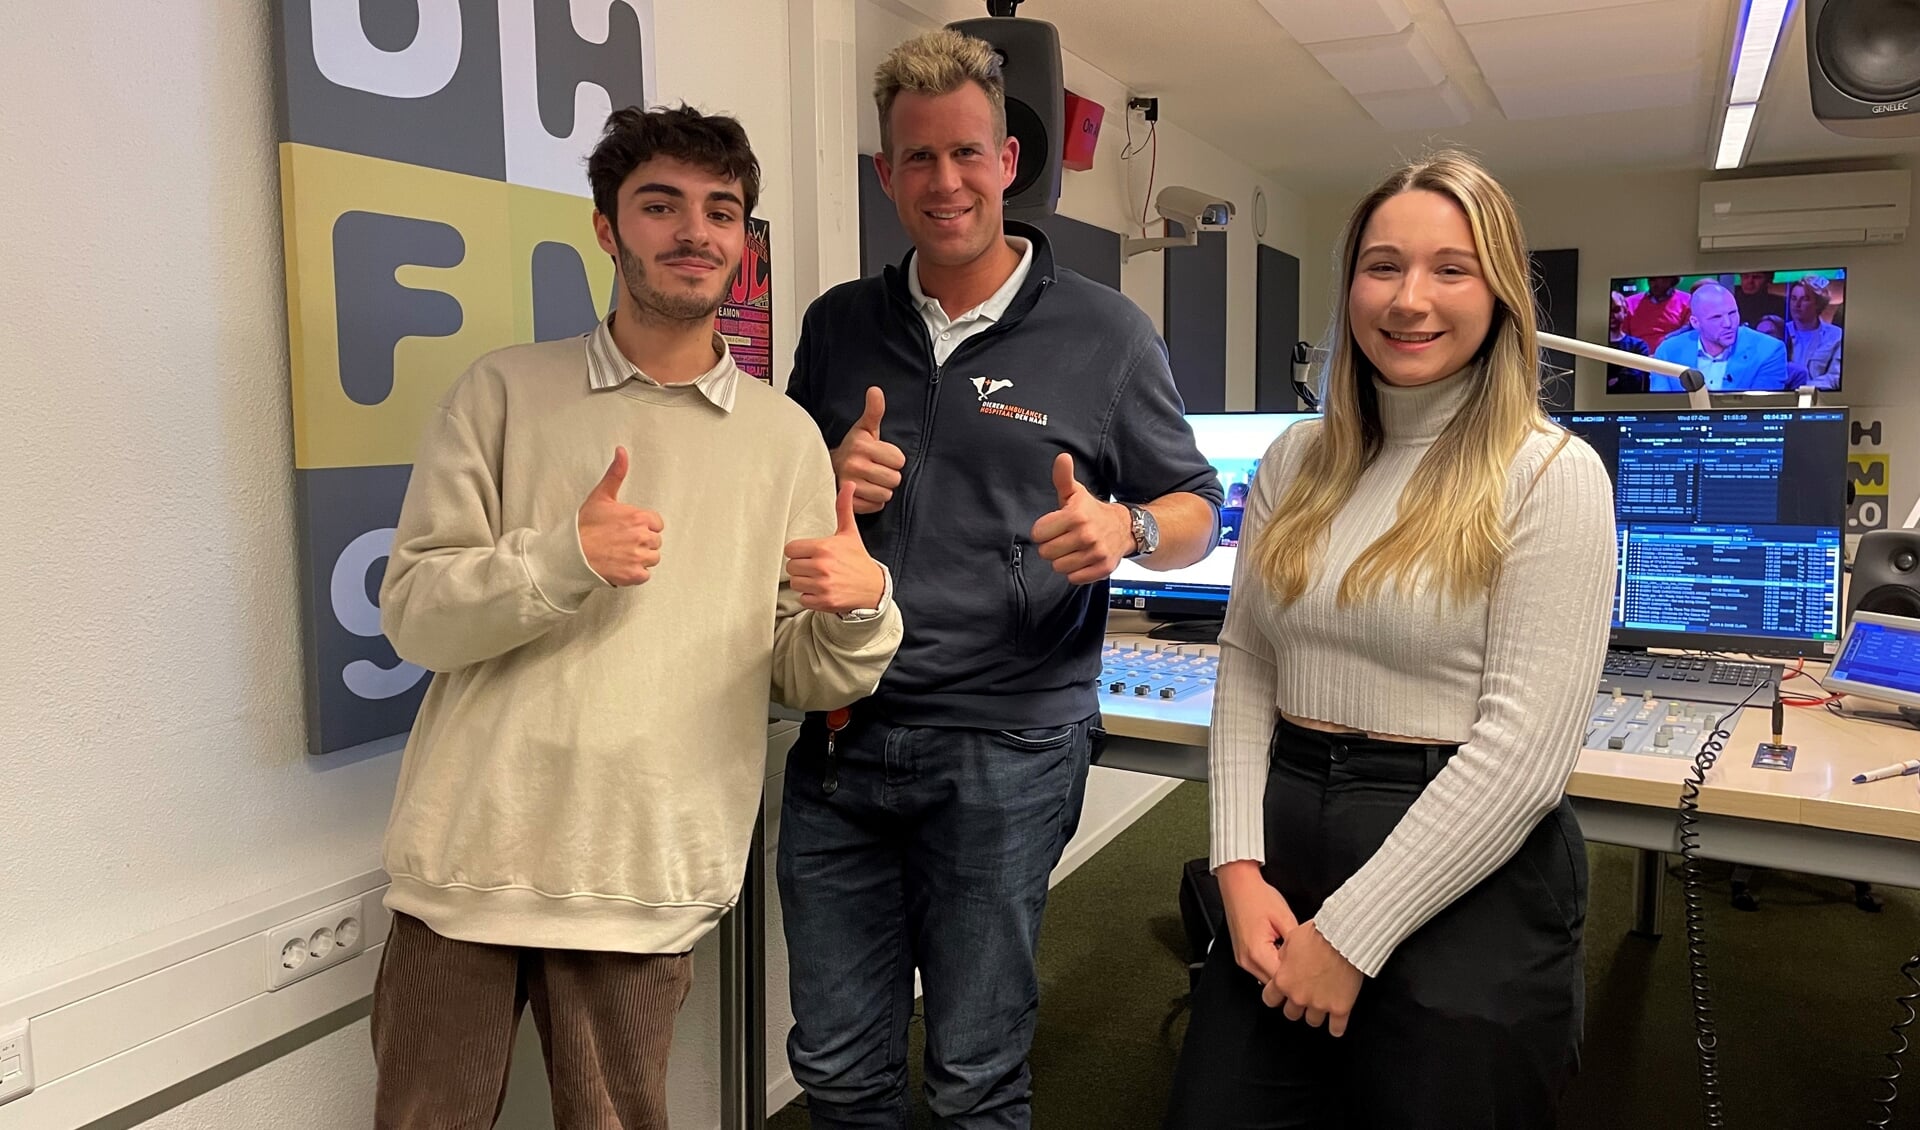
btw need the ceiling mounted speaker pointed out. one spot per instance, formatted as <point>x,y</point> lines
<point>1036,107</point>
<point>1863,66</point>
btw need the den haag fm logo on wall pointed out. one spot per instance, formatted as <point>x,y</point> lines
<point>435,202</point>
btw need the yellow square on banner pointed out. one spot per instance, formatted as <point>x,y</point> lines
<point>398,277</point>
<point>1868,474</point>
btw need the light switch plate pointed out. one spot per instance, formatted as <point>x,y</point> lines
<point>16,1062</point>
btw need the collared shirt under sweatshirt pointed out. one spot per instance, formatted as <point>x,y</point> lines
<point>587,765</point>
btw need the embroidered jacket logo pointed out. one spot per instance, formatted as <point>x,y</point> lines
<point>987,386</point>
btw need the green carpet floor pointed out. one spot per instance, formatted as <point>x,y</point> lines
<point>1803,993</point>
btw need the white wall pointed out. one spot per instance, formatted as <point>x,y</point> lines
<point>1110,195</point>
<point>152,687</point>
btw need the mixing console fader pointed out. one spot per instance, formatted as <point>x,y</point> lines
<point>1663,727</point>
<point>1159,672</point>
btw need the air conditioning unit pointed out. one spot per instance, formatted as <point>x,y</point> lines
<point>1820,210</point>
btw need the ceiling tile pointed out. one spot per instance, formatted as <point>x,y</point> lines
<point>1320,21</point>
<point>1433,108</point>
<point>1486,11</point>
<point>1571,98</point>
<point>1543,50</point>
<point>1381,63</point>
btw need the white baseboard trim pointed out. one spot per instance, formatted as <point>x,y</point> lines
<point>1089,840</point>
<point>120,1080</point>
<point>781,1090</point>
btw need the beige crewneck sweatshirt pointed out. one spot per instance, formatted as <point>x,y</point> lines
<point>1510,675</point>
<point>587,766</point>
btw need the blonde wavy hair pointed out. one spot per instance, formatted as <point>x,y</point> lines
<point>939,62</point>
<point>1450,529</point>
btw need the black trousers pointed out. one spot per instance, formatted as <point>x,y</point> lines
<point>1474,1022</point>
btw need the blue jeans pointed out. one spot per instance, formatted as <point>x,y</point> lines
<point>929,848</point>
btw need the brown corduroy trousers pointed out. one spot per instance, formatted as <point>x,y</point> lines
<point>445,1013</point>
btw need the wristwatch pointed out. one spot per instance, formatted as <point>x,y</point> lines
<point>1146,531</point>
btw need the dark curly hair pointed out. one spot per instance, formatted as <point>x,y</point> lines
<point>634,136</point>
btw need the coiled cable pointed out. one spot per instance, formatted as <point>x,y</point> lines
<point>1706,1038</point>
<point>1892,1078</point>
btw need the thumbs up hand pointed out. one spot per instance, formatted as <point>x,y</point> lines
<point>834,574</point>
<point>1086,538</point>
<point>870,463</point>
<point>621,542</point>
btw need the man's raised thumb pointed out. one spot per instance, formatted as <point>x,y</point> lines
<point>1064,483</point>
<point>869,421</point>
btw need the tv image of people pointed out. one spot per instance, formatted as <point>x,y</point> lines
<point>1237,477</point>
<point>1747,331</point>
<point>1619,377</point>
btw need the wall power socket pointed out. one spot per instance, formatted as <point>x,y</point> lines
<point>317,941</point>
<point>16,1062</point>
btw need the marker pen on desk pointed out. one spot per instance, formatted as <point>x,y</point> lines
<point>1890,771</point>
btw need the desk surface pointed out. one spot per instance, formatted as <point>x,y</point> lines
<point>1818,792</point>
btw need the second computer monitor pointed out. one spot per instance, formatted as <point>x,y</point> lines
<point>1233,442</point>
<point>1727,525</point>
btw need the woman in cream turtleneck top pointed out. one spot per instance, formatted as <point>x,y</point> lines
<point>1419,615</point>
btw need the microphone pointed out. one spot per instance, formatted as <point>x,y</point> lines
<point>1693,380</point>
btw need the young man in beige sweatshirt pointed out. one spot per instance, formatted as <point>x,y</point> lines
<point>613,550</point>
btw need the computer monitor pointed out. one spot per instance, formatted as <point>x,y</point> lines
<point>1727,525</point>
<point>1233,442</point>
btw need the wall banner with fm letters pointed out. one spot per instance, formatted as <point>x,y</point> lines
<point>435,201</point>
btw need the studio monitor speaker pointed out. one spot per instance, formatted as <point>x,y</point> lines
<point>1886,574</point>
<point>1863,66</point>
<point>1036,106</point>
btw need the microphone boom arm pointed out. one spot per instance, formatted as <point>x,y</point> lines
<point>1692,380</point>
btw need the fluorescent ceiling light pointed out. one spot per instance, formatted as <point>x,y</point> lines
<point>1733,136</point>
<point>1757,43</point>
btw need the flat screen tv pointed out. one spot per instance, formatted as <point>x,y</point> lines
<point>1747,331</point>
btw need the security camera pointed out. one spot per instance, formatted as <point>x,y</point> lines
<point>1193,210</point>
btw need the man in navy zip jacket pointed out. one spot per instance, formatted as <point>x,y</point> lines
<point>986,404</point>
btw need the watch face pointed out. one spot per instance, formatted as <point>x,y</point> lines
<point>1146,531</point>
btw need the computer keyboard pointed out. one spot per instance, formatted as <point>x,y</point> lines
<point>1161,672</point>
<point>1726,682</point>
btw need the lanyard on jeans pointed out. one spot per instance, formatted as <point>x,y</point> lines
<point>836,721</point>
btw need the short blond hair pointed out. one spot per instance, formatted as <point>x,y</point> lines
<point>939,62</point>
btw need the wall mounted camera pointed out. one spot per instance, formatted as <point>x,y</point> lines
<point>1193,210</point>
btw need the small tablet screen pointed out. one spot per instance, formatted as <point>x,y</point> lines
<point>1880,658</point>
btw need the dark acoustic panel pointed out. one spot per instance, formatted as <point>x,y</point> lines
<point>1093,251</point>
<point>1277,327</point>
<point>1195,320</point>
<point>1556,288</point>
<point>883,241</point>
